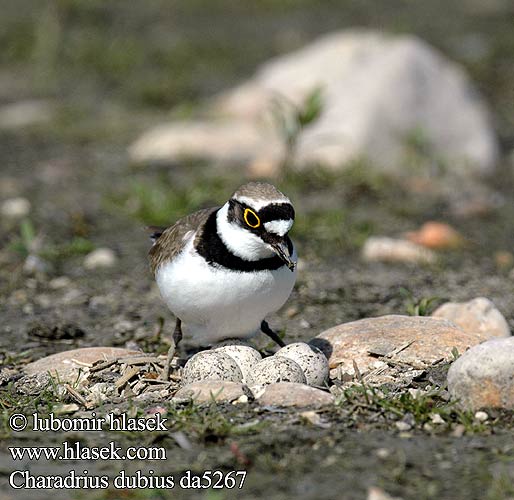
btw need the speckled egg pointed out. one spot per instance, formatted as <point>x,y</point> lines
<point>211,365</point>
<point>311,360</point>
<point>276,369</point>
<point>246,357</point>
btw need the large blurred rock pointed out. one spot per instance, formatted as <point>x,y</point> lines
<point>378,90</point>
<point>417,341</point>
<point>223,141</point>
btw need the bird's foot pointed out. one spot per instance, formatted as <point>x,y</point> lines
<point>265,328</point>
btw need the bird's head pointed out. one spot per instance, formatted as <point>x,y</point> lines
<point>255,222</point>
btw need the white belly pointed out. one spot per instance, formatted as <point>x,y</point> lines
<point>213,303</point>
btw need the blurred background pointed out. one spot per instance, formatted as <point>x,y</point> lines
<point>81,82</point>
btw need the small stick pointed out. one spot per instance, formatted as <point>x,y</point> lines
<point>131,372</point>
<point>75,395</point>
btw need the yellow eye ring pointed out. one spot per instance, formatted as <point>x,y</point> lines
<point>256,222</point>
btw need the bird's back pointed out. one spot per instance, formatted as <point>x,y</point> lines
<point>171,241</point>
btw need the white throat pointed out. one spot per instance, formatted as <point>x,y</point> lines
<point>239,241</point>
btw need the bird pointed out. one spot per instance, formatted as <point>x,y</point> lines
<point>222,270</point>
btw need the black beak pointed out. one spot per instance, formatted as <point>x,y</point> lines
<point>282,251</point>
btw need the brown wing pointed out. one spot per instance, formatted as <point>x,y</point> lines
<point>169,244</point>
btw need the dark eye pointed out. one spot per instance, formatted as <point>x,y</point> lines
<point>251,218</point>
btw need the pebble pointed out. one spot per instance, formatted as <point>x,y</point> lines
<point>481,416</point>
<point>15,208</point>
<point>459,431</point>
<point>210,365</point>
<point>34,264</point>
<point>276,369</point>
<point>477,315</point>
<point>311,360</point>
<point>294,395</point>
<point>376,493</point>
<point>205,391</point>
<point>59,283</point>
<point>382,453</point>
<point>384,249</point>
<point>436,235</point>
<point>436,419</point>
<point>403,426</point>
<point>503,259</point>
<point>418,341</point>
<point>25,113</point>
<point>482,377</point>
<point>100,258</point>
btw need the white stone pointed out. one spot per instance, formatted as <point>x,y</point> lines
<point>59,283</point>
<point>100,258</point>
<point>435,418</point>
<point>481,416</point>
<point>378,90</point>
<point>403,426</point>
<point>384,249</point>
<point>223,141</point>
<point>482,377</point>
<point>311,360</point>
<point>15,208</point>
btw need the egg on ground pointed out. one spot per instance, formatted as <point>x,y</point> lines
<point>276,369</point>
<point>246,357</point>
<point>211,365</point>
<point>311,360</point>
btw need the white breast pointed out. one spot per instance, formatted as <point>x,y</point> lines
<point>216,303</point>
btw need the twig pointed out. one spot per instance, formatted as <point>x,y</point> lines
<point>131,372</point>
<point>75,395</point>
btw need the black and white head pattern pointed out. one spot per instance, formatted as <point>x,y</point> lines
<point>256,217</point>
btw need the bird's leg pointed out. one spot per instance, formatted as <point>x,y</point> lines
<point>177,337</point>
<point>265,328</point>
